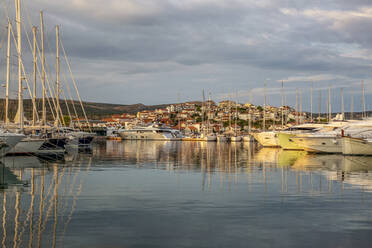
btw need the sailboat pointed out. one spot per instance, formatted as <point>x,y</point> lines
<point>42,139</point>
<point>266,138</point>
<point>236,137</point>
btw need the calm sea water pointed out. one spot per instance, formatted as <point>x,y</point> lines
<point>186,194</point>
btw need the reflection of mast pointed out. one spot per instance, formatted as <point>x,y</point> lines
<point>55,207</point>
<point>75,199</point>
<point>4,219</point>
<point>41,207</point>
<point>7,74</point>
<point>16,219</point>
<point>32,207</point>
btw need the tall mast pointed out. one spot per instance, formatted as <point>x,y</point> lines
<point>311,102</point>
<point>7,74</point>
<point>236,112</point>
<point>249,111</point>
<point>342,103</point>
<point>203,111</point>
<point>34,88</point>
<point>300,106</point>
<point>264,110</point>
<point>352,106</point>
<point>282,105</point>
<point>57,77</point>
<point>320,105</point>
<point>329,104</point>
<point>363,101</point>
<point>296,106</point>
<point>19,51</point>
<point>43,69</point>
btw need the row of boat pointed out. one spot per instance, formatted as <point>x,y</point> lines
<point>159,132</point>
<point>43,145</point>
<point>352,137</point>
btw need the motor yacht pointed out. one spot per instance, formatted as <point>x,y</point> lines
<point>153,132</point>
<point>267,139</point>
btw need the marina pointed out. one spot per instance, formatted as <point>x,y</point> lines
<point>229,193</point>
<point>185,124</point>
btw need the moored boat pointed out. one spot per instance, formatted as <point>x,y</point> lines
<point>267,139</point>
<point>356,146</point>
<point>153,132</point>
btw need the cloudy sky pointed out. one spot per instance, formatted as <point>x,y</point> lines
<point>156,51</point>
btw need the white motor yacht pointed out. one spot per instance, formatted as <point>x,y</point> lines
<point>267,139</point>
<point>329,138</point>
<point>153,132</point>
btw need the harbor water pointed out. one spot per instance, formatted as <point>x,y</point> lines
<point>186,194</point>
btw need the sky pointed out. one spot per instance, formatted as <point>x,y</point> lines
<point>165,51</point>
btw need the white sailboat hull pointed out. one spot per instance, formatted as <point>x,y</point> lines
<point>8,141</point>
<point>27,146</point>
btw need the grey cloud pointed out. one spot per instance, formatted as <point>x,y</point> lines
<point>169,47</point>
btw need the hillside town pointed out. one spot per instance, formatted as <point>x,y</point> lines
<point>222,117</point>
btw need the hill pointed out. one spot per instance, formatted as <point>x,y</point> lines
<point>94,110</point>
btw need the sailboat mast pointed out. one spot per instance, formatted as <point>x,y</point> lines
<point>352,106</point>
<point>34,29</point>
<point>342,103</point>
<point>57,76</point>
<point>43,69</point>
<point>19,51</point>
<point>249,111</point>
<point>320,105</point>
<point>300,107</point>
<point>264,110</point>
<point>363,101</point>
<point>7,73</point>
<point>329,104</point>
<point>203,112</point>
<point>311,102</point>
<point>282,105</point>
<point>296,106</point>
<point>236,112</point>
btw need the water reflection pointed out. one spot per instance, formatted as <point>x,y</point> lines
<point>40,198</point>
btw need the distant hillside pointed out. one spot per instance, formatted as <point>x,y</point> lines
<point>93,110</point>
<point>99,110</point>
